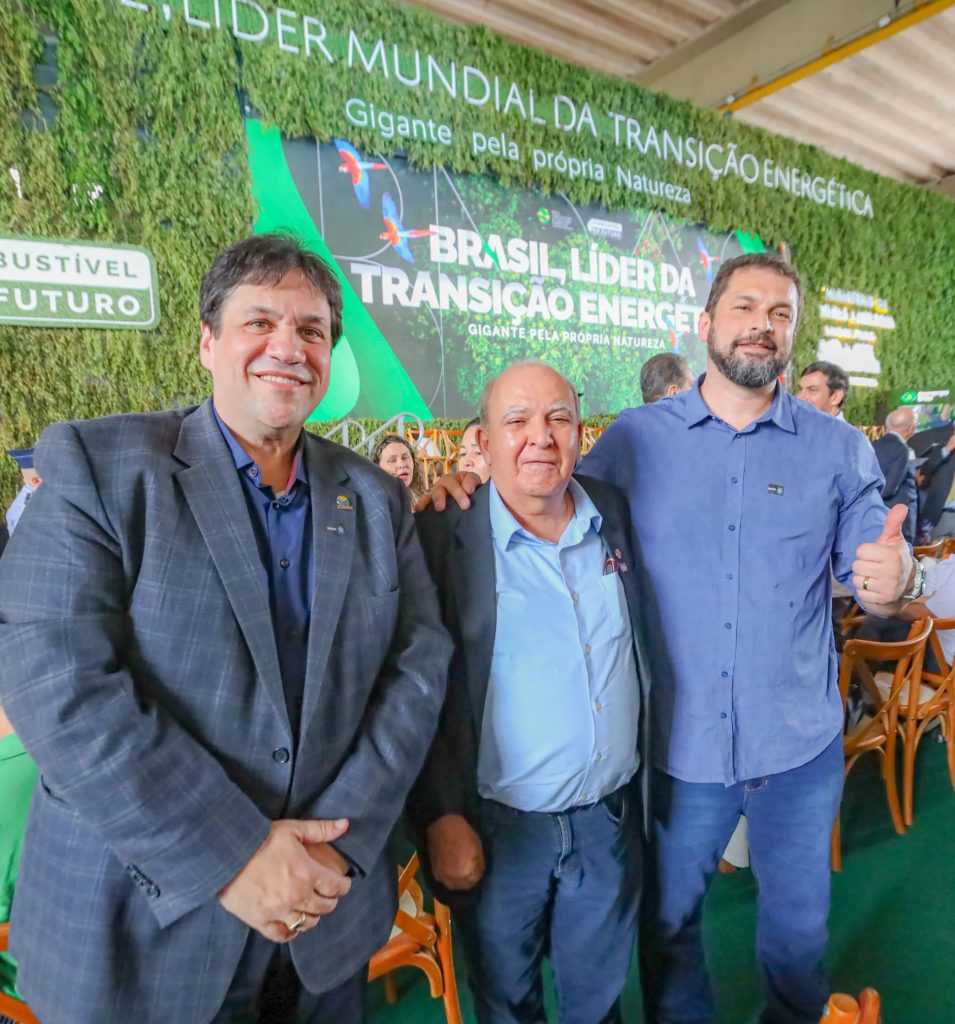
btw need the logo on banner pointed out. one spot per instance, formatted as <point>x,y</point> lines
<point>76,284</point>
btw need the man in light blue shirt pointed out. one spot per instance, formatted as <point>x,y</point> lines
<point>530,823</point>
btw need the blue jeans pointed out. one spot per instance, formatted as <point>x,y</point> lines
<point>790,817</point>
<point>565,886</point>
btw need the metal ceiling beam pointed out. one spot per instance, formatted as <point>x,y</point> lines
<point>919,13</point>
<point>757,44</point>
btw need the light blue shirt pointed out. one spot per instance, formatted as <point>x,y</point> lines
<point>18,506</point>
<point>563,700</point>
<point>737,530</point>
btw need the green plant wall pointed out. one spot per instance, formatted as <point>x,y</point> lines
<point>151,108</point>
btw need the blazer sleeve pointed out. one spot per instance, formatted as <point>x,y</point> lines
<point>447,783</point>
<point>162,803</point>
<point>372,785</point>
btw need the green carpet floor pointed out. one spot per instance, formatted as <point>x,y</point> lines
<point>892,924</point>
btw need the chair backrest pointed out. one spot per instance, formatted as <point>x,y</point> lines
<point>12,1008</point>
<point>907,655</point>
<point>933,550</point>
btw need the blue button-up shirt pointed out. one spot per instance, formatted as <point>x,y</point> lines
<point>737,529</point>
<point>283,532</point>
<point>563,701</point>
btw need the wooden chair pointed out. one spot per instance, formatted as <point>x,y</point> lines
<point>420,940</point>
<point>10,1007</point>
<point>852,619</point>
<point>933,550</point>
<point>879,731</point>
<point>948,547</point>
<point>920,707</point>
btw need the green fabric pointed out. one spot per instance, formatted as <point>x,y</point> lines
<point>893,906</point>
<point>17,778</point>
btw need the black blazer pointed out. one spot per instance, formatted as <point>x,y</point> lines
<point>459,551</point>
<point>897,462</point>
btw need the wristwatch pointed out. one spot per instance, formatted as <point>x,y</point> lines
<point>918,583</point>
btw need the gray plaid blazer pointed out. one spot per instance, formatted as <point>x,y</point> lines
<point>138,664</point>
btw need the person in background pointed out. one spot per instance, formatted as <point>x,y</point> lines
<point>31,481</point>
<point>826,386</point>
<point>470,457</point>
<point>664,375</point>
<point>229,683</point>
<point>396,457</point>
<point>897,462</point>
<point>18,775</point>
<point>532,826</point>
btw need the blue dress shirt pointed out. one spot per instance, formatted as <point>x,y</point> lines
<point>737,529</point>
<point>563,699</point>
<point>283,532</point>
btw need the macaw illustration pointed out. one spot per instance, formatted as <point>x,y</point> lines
<point>671,331</point>
<point>353,165</point>
<point>395,232</point>
<point>706,259</point>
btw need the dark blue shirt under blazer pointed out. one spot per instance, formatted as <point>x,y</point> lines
<point>283,535</point>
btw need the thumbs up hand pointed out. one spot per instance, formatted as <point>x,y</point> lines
<point>883,571</point>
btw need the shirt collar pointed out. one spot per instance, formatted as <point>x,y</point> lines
<point>504,527</point>
<point>780,412</point>
<point>243,461</point>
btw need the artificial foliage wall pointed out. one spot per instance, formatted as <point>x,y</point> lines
<point>126,121</point>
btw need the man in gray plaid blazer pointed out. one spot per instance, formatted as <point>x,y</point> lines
<point>220,643</point>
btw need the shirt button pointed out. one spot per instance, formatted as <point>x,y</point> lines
<point>280,755</point>
<point>732,528</point>
<point>253,472</point>
<point>285,563</point>
<point>276,505</point>
<point>729,575</point>
<point>598,705</point>
<point>734,480</point>
<point>587,649</point>
<point>575,596</point>
<point>727,625</point>
<point>722,714</point>
<point>725,675</point>
<point>598,757</point>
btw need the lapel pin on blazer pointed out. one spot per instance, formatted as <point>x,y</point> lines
<point>343,503</point>
<point>335,529</point>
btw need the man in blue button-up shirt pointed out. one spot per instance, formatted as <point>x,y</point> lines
<point>530,773</point>
<point>740,496</point>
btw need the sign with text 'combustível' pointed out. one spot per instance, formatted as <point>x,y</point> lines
<point>76,284</point>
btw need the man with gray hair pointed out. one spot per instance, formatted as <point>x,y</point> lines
<point>897,462</point>
<point>663,375</point>
<point>526,810</point>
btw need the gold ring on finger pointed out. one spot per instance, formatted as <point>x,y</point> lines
<point>298,922</point>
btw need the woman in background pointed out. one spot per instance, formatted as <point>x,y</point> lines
<point>470,456</point>
<point>395,456</point>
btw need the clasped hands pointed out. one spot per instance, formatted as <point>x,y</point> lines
<point>294,872</point>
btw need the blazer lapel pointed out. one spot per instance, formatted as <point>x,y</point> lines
<point>213,492</point>
<point>334,528</point>
<point>615,538</point>
<point>476,598</point>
